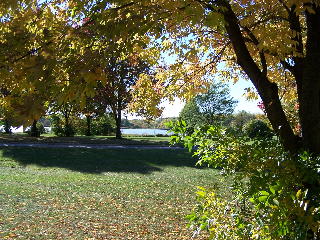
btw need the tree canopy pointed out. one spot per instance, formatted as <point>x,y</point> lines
<point>51,51</point>
<point>210,107</point>
<point>271,43</point>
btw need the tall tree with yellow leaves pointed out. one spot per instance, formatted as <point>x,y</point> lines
<point>273,43</point>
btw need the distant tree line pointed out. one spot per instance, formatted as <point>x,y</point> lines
<point>159,123</point>
<point>216,107</point>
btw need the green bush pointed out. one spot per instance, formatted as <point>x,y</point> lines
<point>61,129</point>
<point>6,126</point>
<point>103,126</point>
<point>235,122</point>
<point>36,132</point>
<point>41,128</point>
<point>257,129</point>
<point>275,194</point>
<point>80,126</point>
<point>100,126</point>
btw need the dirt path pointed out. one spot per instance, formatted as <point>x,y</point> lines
<point>89,146</point>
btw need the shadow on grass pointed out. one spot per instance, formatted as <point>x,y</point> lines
<point>144,161</point>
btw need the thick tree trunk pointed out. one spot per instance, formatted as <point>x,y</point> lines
<point>118,126</point>
<point>7,126</point>
<point>88,130</point>
<point>267,90</point>
<point>34,130</point>
<point>310,94</point>
<point>309,98</point>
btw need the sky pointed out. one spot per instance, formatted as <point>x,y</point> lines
<point>236,90</point>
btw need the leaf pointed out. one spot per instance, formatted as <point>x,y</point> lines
<point>274,188</point>
<point>190,145</point>
<point>201,194</point>
<point>263,198</point>
<point>264,193</point>
<point>299,194</point>
<point>275,201</point>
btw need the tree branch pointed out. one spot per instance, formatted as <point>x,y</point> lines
<point>267,90</point>
<point>35,50</point>
<point>261,52</point>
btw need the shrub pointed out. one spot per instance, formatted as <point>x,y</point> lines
<point>162,135</point>
<point>6,126</point>
<point>41,128</point>
<point>257,129</point>
<point>80,126</point>
<point>36,132</point>
<point>234,123</point>
<point>103,126</point>
<point>100,126</point>
<point>60,128</point>
<point>275,194</point>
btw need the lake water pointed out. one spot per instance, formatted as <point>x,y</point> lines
<point>126,131</point>
<point>144,131</point>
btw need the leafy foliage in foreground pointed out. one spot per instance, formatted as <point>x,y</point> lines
<point>275,197</point>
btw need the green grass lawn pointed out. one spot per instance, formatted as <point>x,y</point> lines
<point>49,138</point>
<point>98,194</point>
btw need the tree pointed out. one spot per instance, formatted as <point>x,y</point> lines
<point>190,113</point>
<point>236,122</point>
<point>275,47</point>
<point>63,118</point>
<point>91,110</point>
<point>6,113</point>
<point>274,44</point>
<point>209,108</point>
<point>115,94</point>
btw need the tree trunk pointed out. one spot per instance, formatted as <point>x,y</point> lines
<point>309,98</point>
<point>68,131</point>
<point>118,125</point>
<point>7,126</point>
<point>118,120</point>
<point>310,94</point>
<point>267,90</point>
<point>88,130</point>
<point>34,130</point>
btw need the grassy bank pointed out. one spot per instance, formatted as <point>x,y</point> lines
<point>98,194</point>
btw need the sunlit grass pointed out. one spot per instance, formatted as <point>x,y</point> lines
<point>98,194</point>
